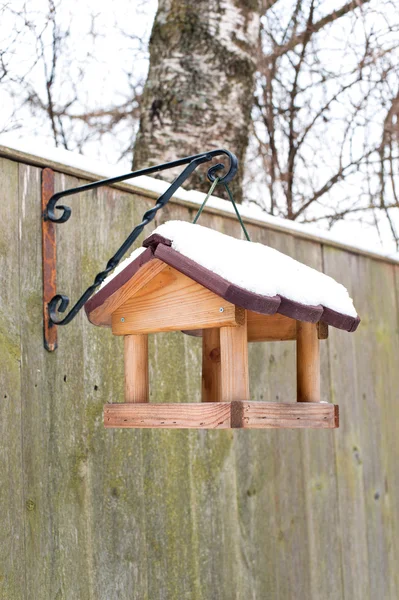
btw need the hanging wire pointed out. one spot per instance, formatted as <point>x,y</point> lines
<point>237,213</point>
<point>214,184</point>
<point>210,192</point>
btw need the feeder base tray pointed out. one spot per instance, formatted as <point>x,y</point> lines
<point>223,415</point>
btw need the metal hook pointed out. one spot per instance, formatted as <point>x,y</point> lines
<point>60,302</point>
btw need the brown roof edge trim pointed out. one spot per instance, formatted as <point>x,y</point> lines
<point>159,247</point>
<point>220,286</point>
<point>339,320</point>
<point>300,312</point>
<point>249,300</point>
<point>154,239</point>
<point>118,281</point>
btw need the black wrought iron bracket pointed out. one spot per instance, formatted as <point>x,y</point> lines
<point>53,213</point>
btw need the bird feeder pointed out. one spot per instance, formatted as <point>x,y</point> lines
<point>231,292</point>
<point>195,280</point>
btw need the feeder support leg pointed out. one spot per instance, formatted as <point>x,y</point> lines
<point>234,362</point>
<point>307,362</point>
<point>211,365</point>
<point>136,368</point>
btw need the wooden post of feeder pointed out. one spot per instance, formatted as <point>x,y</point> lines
<point>308,362</point>
<point>211,365</point>
<point>136,368</point>
<point>234,361</point>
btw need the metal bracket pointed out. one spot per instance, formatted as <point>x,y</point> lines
<point>49,261</point>
<point>58,303</point>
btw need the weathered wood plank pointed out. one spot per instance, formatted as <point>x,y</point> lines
<point>12,505</point>
<point>388,391</point>
<point>319,474</point>
<point>374,346</point>
<point>110,479</point>
<point>292,519</point>
<point>346,357</point>
<point>170,510</point>
<point>57,541</point>
<point>35,406</point>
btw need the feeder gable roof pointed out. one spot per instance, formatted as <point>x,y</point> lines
<point>248,274</point>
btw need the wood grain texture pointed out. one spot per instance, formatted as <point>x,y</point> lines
<point>351,377</point>
<point>234,363</point>
<point>211,366</point>
<point>36,386</point>
<point>269,328</point>
<point>172,301</point>
<point>102,315</point>
<point>215,415</point>
<point>319,475</point>
<point>293,577</point>
<point>12,502</point>
<point>136,368</point>
<point>307,362</point>
<point>368,444</point>
<point>107,475</point>
<point>279,415</point>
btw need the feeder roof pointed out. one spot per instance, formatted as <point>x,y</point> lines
<point>247,274</point>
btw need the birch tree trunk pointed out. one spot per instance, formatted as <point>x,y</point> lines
<point>199,91</point>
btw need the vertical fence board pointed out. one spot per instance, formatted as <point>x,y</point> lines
<point>319,476</point>
<point>12,563</point>
<point>257,470</point>
<point>167,486</point>
<point>373,350</point>
<point>350,378</point>
<point>293,558</point>
<point>55,458</point>
<point>115,501</point>
<point>223,569</point>
<point>35,396</point>
<point>391,439</point>
<point>382,475</point>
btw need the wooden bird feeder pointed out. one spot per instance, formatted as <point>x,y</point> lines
<point>163,289</point>
<point>191,279</point>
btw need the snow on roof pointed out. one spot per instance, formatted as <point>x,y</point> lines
<point>255,267</point>
<point>248,274</point>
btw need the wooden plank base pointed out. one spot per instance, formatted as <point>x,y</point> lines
<point>204,415</point>
<point>278,415</point>
<point>223,415</point>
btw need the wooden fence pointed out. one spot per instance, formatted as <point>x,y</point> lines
<point>89,513</point>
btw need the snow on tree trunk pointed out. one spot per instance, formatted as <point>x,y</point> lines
<point>199,90</point>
